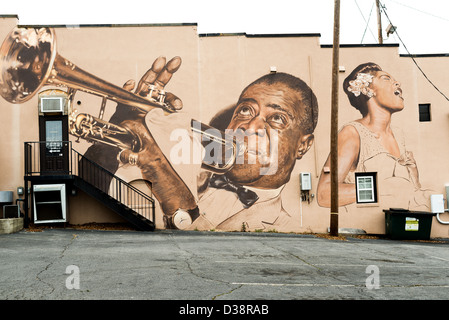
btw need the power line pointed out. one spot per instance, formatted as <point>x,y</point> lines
<point>411,56</point>
<point>430,14</point>
<point>366,21</point>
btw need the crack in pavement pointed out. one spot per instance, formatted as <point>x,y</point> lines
<point>229,292</point>
<point>293,255</point>
<point>194,273</point>
<point>319,270</point>
<point>61,255</point>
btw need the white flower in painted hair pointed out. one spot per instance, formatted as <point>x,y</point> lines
<point>361,85</point>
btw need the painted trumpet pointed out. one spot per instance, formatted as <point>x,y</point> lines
<point>29,61</point>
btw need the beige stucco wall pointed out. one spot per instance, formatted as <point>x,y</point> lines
<point>431,138</point>
<point>214,71</point>
<point>13,130</point>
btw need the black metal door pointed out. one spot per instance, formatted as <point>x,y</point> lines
<point>54,145</point>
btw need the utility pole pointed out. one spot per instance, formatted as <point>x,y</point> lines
<point>379,23</point>
<point>334,122</point>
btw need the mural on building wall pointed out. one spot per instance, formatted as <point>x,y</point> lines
<point>371,144</point>
<point>237,180</point>
<point>228,174</point>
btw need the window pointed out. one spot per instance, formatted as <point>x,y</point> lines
<point>53,135</point>
<point>366,189</point>
<point>424,112</point>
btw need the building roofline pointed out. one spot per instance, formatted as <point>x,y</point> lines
<point>110,25</point>
<point>368,45</point>
<point>262,35</point>
<point>425,55</point>
<point>9,16</point>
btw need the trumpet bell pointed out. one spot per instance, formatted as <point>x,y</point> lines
<point>29,60</point>
<point>27,56</point>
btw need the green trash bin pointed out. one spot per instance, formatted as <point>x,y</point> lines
<point>403,224</point>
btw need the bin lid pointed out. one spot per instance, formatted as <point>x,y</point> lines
<point>406,211</point>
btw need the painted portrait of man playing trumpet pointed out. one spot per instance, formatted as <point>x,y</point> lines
<point>272,122</point>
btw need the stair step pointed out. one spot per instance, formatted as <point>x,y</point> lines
<point>122,209</point>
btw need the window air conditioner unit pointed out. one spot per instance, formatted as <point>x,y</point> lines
<point>52,104</point>
<point>11,211</point>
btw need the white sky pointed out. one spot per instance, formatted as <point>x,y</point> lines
<point>421,24</point>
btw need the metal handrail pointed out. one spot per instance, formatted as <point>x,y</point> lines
<point>91,172</point>
<point>33,156</point>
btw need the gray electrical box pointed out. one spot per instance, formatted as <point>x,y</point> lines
<point>437,203</point>
<point>306,181</point>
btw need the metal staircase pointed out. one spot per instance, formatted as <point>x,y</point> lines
<point>51,162</point>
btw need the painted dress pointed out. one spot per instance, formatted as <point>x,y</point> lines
<point>396,186</point>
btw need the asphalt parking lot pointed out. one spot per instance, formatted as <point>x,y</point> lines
<point>69,264</point>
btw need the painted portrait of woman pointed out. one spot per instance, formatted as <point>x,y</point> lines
<point>371,144</point>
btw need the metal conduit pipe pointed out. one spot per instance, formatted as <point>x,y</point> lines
<point>445,210</point>
<point>441,221</point>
